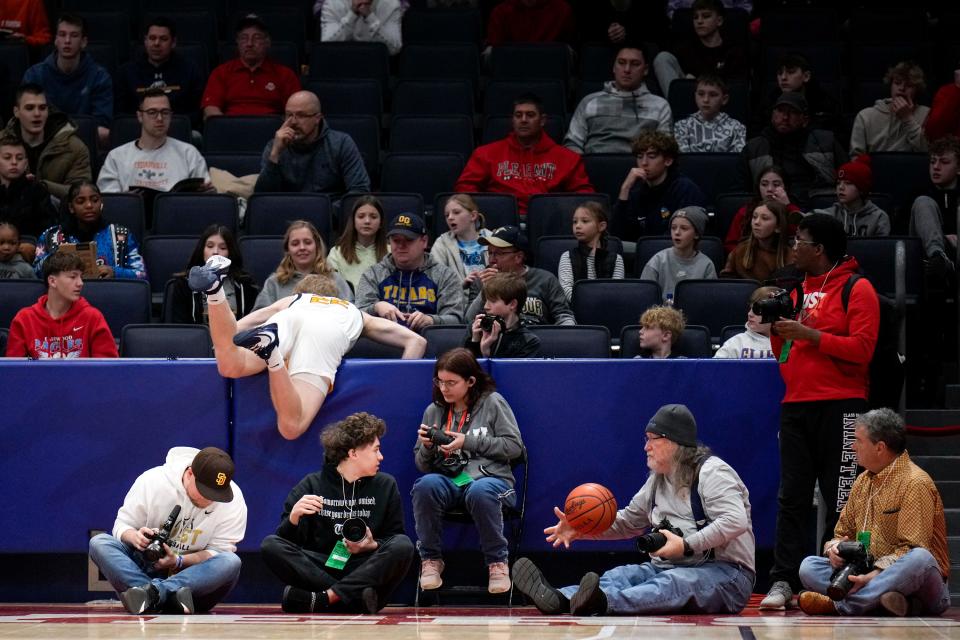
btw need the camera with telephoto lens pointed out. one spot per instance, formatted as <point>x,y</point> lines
<point>858,561</point>
<point>654,540</point>
<point>438,436</point>
<point>354,529</point>
<point>154,550</point>
<point>487,320</point>
<point>777,306</point>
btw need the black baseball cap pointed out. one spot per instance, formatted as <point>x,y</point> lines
<point>793,100</point>
<point>508,236</point>
<point>409,225</point>
<point>252,20</point>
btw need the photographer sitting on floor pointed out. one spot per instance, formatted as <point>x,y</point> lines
<point>894,514</point>
<point>174,541</point>
<point>499,332</point>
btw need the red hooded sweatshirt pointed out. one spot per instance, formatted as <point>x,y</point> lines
<point>81,332</point>
<point>505,166</point>
<point>837,369</point>
<point>544,21</point>
<point>28,18</point>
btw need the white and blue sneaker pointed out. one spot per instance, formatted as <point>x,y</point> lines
<point>261,340</point>
<point>209,278</point>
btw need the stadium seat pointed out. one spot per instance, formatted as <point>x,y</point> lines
<point>531,61</point>
<point>694,342</point>
<point>731,330</point>
<point>173,341</point>
<point>16,58</point>
<point>682,99</point>
<point>825,59</point>
<point>165,256</point>
<point>550,248</point>
<point>444,61</point>
<point>648,246</point>
<point>4,334</point>
<point>239,134</point>
<point>107,26</point>
<point>121,302</point>
<point>432,134</point>
<point>902,175</point>
<point>367,348</point>
<point>271,213</point>
<point>187,213</point>
<point>871,61</point>
<point>350,61</point>
<point>17,294</point>
<point>239,164</point>
<point>127,129</point>
<point>551,214</point>
<point>427,26</point>
<point>714,303</point>
<point>799,26</point>
<point>499,127</point>
<point>348,97</point>
<point>261,256</point>
<point>433,97</point>
<point>87,131</point>
<point>498,209</point>
<point>613,303</point>
<point>607,171</point>
<point>877,258</point>
<point>577,341</point>
<point>725,207</point>
<point>425,173</point>
<point>883,25</point>
<point>714,173</point>
<point>105,54</point>
<point>365,132</point>
<point>596,62</point>
<point>443,337</point>
<point>499,95</point>
<point>126,209</point>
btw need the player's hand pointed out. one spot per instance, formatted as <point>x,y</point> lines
<point>562,532</point>
<point>457,443</point>
<point>305,506</point>
<point>422,434</point>
<point>673,547</point>
<point>168,561</point>
<point>417,321</point>
<point>389,312</point>
<point>364,546</point>
<point>835,560</point>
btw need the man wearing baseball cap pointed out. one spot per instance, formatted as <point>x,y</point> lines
<point>408,286</point>
<point>506,253</point>
<point>199,565</point>
<point>810,157</point>
<point>709,569</point>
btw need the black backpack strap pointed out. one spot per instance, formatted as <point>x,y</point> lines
<point>696,504</point>
<point>847,288</point>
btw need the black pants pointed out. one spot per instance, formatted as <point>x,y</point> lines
<point>816,445</point>
<point>383,569</point>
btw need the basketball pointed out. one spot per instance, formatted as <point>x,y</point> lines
<point>590,508</point>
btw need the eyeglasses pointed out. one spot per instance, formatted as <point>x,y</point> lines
<point>795,241</point>
<point>157,113</point>
<point>300,116</point>
<point>496,254</point>
<point>445,384</point>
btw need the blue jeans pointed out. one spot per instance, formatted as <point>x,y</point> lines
<point>637,589</point>
<point>483,499</point>
<point>914,574</point>
<point>125,567</point>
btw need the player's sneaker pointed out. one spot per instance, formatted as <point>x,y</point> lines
<point>209,278</point>
<point>261,340</point>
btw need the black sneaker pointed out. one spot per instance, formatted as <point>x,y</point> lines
<point>142,599</point>
<point>371,602</point>
<point>209,278</point>
<point>297,600</point>
<point>531,583</point>
<point>589,600</point>
<point>261,340</point>
<point>181,601</point>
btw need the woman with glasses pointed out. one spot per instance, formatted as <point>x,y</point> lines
<point>465,445</point>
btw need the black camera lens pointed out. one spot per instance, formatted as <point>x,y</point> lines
<point>652,541</point>
<point>438,437</point>
<point>354,529</point>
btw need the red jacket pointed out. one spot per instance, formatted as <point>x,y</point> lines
<point>27,17</point>
<point>839,368</point>
<point>944,116</point>
<point>547,21</point>
<point>505,166</point>
<point>81,332</point>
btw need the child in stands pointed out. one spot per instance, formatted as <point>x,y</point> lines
<point>766,250</point>
<point>710,129</point>
<point>754,343</point>
<point>363,242</point>
<point>12,264</point>
<point>682,261</point>
<point>771,185</point>
<point>459,248</point>
<point>859,215</point>
<point>660,328</point>
<point>590,259</point>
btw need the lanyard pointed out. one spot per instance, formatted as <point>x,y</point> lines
<point>464,419</point>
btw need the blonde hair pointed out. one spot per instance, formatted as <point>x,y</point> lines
<point>909,72</point>
<point>286,269</point>
<point>317,284</point>
<point>466,201</point>
<point>666,319</point>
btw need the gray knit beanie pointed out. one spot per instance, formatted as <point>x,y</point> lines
<point>674,421</point>
<point>697,217</point>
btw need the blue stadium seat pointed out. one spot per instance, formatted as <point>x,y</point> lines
<point>239,164</point>
<point>126,209</point>
<point>107,26</point>
<point>121,302</point>
<point>577,341</point>
<point>731,330</point>
<point>725,207</point>
<point>648,246</point>
<point>551,214</point>
<point>714,303</point>
<point>877,258</point>
<point>607,171</point>
<point>902,175</point>
<point>799,26</point>
<point>367,348</point>
<point>714,173</point>
<point>187,213</point>
<point>365,132</point>
<point>883,25</point>
<point>531,61</point>
<point>433,97</point>
<point>441,61</point>
<point>498,209</point>
<point>17,294</point>
<point>105,54</point>
<point>350,60</point>
<point>499,95</point>
<point>425,173</point>
<point>87,131</point>
<point>173,341</point>
<point>239,134</point>
<point>443,337</point>
<point>261,256</point>
<point>694,342</point>
<point>271,213</point>
<point>428,26</point>
<point>348,97</point>
<point>613,303</point>
<point>871,61</point>
<point>596,62</point>
<point>432,134</point>
<point>550,248</point>
<point>165,256</point>
<point>16,58</point>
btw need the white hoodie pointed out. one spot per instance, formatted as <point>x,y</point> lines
<point>218,528</point>
<point>748,345</point>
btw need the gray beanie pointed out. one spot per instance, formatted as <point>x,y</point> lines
<point>697,217</point>
<point>674,421</point>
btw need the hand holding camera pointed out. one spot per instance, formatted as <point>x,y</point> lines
<point>663,541</point>
<point>357,536</point>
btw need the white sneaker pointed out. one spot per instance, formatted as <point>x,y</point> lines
<point>499,578</point>
<point>779,598</point>
<point>430,571</point>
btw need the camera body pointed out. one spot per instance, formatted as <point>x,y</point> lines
<point>858,561</point>
<point>488,319</point>
<point>654,540</point>
<point>354,529</point>
<point>154,550</point>
<point>438,436</point>
<point>777,306</point>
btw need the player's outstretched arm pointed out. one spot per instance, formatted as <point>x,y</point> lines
<point>260,316</point>
<point>394,334</point>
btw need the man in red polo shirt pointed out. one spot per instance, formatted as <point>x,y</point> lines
<point>251,85</point>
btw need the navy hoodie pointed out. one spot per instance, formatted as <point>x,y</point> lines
<point>86,91</point>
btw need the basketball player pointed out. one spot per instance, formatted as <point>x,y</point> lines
<point>301,346</point>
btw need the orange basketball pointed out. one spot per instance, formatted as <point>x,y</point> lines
<point>590,508</point>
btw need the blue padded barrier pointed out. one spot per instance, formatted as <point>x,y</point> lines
<point>77,434</point>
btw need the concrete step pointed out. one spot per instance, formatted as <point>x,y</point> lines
<point>939,467</point>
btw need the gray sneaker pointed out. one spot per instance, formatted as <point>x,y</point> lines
<point>779,598</point>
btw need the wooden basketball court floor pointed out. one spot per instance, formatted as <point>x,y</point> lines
<point>108,621</point>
